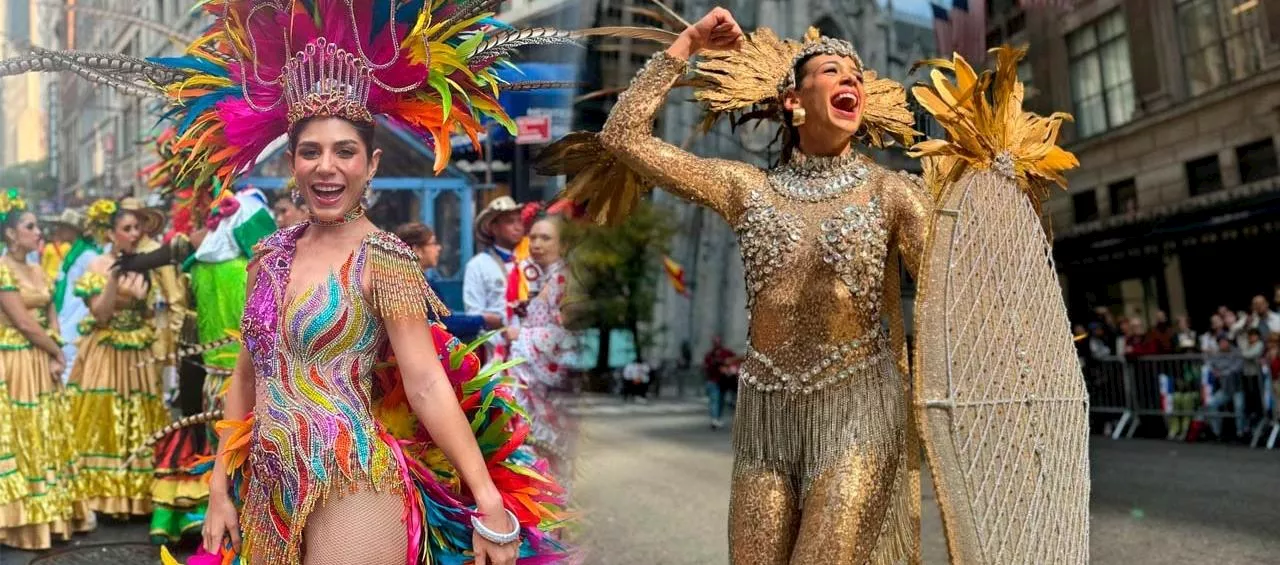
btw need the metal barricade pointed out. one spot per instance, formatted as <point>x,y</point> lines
<point>1171,387</point>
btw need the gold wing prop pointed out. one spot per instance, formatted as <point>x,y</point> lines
<point>609,188</point>
<point>998,389</point>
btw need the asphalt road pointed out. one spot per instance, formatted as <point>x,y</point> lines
<point>653,485</point>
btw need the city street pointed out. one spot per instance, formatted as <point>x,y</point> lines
<point>653,486</point>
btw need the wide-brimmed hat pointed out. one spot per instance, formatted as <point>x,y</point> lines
<point>150,220</point>
<point>484,221</point>
<point>69,218</point>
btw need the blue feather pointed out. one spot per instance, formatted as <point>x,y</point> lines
<point>188,62</point>
<point>198,106</point>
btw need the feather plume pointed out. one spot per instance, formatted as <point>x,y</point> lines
<point>990,133</point>
<point>608,188</point>
<point>193,420</point>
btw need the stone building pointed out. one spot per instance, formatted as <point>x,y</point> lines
<point>887,40</point>
<point>1177,119</point>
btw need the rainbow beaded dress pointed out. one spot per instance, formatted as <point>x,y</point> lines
<point>330,420</point>
<point>38,489</point>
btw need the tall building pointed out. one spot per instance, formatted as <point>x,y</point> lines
<point>100,135</point>
<point>24,134</point>
<point>1177,120</point>
<point>889,41</point>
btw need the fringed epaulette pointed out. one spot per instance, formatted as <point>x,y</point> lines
<point>400,288</point>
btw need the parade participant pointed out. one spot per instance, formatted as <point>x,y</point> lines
<point>427,247</point>
<point>499,230</point>
<point>826,466</point>
<point>66,228</point>
<point>71,310</point>
<point>38,491</point>
<point>823,466</point>
<point>541,342</point>
<point>116,389</point>
<point>289,210</point>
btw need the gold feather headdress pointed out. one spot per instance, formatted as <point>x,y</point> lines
<point>745,84</point>
<point>749,83</point>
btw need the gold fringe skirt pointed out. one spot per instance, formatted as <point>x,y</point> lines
<point>116,405</point>
<point>40,499</point>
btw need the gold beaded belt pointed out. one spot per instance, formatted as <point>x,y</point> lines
<point>839,363</point>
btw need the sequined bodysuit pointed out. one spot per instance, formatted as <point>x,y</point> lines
<point>315,436</point>
<point>822,438</point>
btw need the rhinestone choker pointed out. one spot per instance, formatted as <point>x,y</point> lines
<point>351,216</point>
<point>817,179</point>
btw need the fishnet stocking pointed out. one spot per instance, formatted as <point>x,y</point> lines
<point>361,528</point>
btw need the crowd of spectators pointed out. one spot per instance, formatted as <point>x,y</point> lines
<point>1228,367</point>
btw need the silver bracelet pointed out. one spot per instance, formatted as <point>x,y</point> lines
<point>495,537</point>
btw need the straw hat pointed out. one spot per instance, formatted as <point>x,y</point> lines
<point>150,220</point>
<point>69,218</point>
<point>484,221</point>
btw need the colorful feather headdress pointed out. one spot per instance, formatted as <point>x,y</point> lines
<point>11,202</point>
<point>429,66</point>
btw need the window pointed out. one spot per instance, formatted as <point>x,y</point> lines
<point>1124,197</point>
<point>1101,79</point>
<point>1221,41</point>
<point>1204,175</point>
<point>1085,205</point>
<point>1257,161</point>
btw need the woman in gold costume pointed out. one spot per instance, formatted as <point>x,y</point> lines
<point>826,469</point>
<point>38,494</point>
<point>117,402</point>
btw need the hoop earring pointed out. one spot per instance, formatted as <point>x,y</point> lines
<point>797,116</point>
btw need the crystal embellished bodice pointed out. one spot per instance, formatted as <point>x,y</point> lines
<point>818,236</point>
<point>814,245</point>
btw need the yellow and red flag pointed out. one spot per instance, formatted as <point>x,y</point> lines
<point>675,273</point>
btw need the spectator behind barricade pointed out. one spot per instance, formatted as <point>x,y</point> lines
<point>1161,335</point>
<point>1099,345</point>
<point>1209,339</point>
<point>1137,342</point>
<point>1104,318</point>
<point>1121,336</point>
<point>713,366</point>
<point>1272,363</point>
<point>1252,352</point>
<point>1262,318</point>
<point>1234,322</point>
<point>1184,341</point>
<point>1224,369</point>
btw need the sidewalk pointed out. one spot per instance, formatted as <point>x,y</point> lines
<point>601,404</point>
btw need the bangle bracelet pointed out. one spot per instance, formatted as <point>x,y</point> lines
<point>495,537</point>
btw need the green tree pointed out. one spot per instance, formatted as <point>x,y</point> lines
<point>32,177</point>
<point>616,272</point>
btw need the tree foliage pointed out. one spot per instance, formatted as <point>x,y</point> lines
<point>616,273</point>
<point>32,178</point>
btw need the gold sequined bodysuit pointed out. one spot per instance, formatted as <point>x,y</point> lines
<point>825,465</point>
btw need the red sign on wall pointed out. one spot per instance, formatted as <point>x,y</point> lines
<point>533,129</point>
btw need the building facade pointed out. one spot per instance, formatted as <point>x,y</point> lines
<point>99,137</point>
<point>1177,120</point>
<point>888,41</point>
<point>24,133</point>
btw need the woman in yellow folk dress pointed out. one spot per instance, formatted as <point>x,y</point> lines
<point>117,402</point>
<point>38,495</point>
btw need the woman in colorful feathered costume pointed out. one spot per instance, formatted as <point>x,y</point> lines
<point>39,494</point>
<point>826,466</point>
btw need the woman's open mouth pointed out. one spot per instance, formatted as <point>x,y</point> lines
<point>328,195</point>
<point>845,103</point>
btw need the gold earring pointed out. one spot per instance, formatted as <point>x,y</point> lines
<point>797,116</point>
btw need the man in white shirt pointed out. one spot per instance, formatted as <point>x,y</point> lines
<point>499,229</point>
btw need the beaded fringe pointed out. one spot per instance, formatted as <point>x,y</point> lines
<point>400,290</point>
<point>802,434</point>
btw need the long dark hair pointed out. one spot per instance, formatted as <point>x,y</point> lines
<point>11,221</point>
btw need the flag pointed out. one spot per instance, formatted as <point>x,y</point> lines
<point>942,30</point>
<point>675,274</point>
<point>969,29</point>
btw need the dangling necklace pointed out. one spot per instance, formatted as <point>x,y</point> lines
<point>351,216</point>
